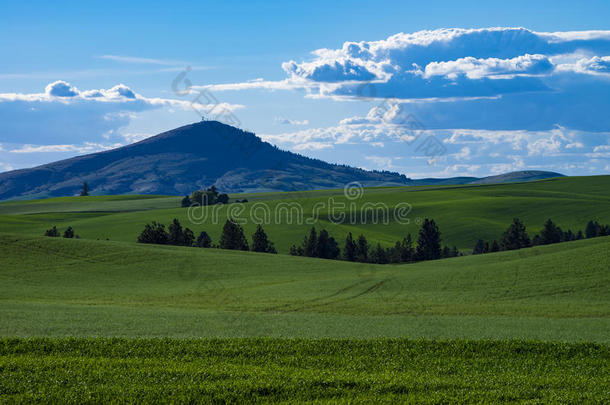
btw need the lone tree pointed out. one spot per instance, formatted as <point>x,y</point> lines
<point>233,237</point>
<point>204,240</point>
<point>550,233</point>
<point>429,242</point>
<point>53,232</point>
<point>261,243</point>
<point>154,233</point>
<point>69,233</point>
<point>515,236</point>
<point>85,190</point>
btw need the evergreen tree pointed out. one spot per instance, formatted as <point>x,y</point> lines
<point>362,249</point>
<point>591,229</point>
<point>603,230</point>
<point>176,235</point>
<point>260,242</point>
<point>85,190</point>
<point>579,235</point>
<point>186,201</point>
<point>515,236</point>
<point>233,237</point>
<point>446,252</point>
<point>349,252</point>
<point>69,233</point>
<point>188,237</point>
<point>429,242</point>
<point>154,233</point>
<point>379,255</point>
<point>293,251</point>
<point>204,240</point>
<point>53,232</point>
<point>486,247</point>
<point>479,247</point>
<point>536,241</point>
<point>406,249</point>
<point>455,252</point>
<point>310,243</point>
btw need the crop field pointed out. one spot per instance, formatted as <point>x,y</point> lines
<point>288,371</point>
<point>102,317</point>
<point>463,213</point>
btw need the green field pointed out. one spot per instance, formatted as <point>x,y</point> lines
<point>289,371</point>
<point>93,320</point>
<point>463,213</point>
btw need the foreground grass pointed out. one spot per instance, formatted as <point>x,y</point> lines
<point>63,287</point>
<point>286,370</point>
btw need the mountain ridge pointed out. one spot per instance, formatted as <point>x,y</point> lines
<point>199,155</point>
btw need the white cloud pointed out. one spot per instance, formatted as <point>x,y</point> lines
<point>139,60</point>
<point>474,68</point>
<point>286,121</point>
<point>65,114</point>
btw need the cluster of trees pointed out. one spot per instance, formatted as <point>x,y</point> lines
<point>54,233</point>
<point>428,247</point>
<point>232,237</point>
<point>516,237</point>
<point>210,196</point>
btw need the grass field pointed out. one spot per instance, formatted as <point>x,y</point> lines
<point>289,371</point>
<point>463,213</point>
<point>96,320</point>
<point>65,287</point>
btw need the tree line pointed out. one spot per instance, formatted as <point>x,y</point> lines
<point>516,237</point>
<point>54,233</point>
<point>232,237</point>
<point>428,247</point>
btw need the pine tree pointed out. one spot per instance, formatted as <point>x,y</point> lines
<point>446,252</point>
<point>233,237</point>
<point>429,242</point>
<point>204,240</point>
<point>455,252</point>
<point>176,235</point>
<point>478,247</point>
<point>515,236</point>
<point>591,229</point>
<point>362,249</point>
<point>579,235</point>
<point>85,190</point>
<point>260,242</point>
<point>379,255</point>
<point>188,237</point>
<point>310,244</point>
<point>406,249</point>
<point>349,252</point>
<point>550,233</point>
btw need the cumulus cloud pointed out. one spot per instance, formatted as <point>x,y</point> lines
<point>66,115</point>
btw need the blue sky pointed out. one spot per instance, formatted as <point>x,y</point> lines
<point>500,86</point>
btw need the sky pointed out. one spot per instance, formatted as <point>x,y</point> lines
<point>426,89</point>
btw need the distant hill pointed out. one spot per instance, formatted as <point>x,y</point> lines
<point>194,156</point>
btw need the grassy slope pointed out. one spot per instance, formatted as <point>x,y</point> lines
<point>81,287</point>
<point>289,371</point>
<point>464,213</point>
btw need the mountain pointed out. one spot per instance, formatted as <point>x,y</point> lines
<point>195,156</point>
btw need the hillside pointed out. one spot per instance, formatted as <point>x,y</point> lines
<point>188,158</point>
<point>196,156</point>
<point>62,287</point>
<point>463,213</point>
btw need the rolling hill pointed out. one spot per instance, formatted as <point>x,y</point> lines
<point>195,156</point>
